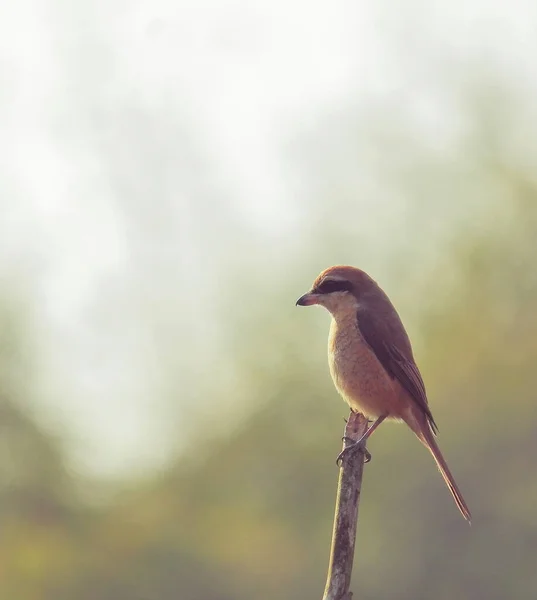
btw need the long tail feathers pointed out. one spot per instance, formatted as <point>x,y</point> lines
<point>427,438</point>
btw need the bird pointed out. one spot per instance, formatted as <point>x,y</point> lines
<point>371,361</point>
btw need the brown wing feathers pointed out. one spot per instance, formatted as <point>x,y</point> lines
<point>396,358</point>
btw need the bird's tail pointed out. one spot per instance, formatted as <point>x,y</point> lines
<point>426,436</point>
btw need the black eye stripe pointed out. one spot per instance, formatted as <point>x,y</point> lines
<point>331,285</point>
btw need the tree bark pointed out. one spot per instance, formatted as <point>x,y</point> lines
<point>346,517</point>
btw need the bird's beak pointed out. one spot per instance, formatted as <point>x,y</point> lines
<point>308,299</point>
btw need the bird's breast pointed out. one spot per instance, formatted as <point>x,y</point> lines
<point>357,374</point>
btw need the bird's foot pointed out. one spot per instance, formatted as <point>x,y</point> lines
<point>353,447</point>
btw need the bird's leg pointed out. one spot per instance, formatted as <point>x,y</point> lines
<point>367,454</point>
<point>360,444</point>
<point>353,447</point>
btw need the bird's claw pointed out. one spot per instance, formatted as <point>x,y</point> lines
<point>353,447</point>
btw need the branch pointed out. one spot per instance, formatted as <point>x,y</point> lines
<point>345,519</point>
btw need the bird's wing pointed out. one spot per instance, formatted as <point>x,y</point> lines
<point>389,342</point>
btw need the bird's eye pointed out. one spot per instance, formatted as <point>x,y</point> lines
<point>331,285</point>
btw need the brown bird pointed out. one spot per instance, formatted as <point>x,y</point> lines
<point>371,360</point>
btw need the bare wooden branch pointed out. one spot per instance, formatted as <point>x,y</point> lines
<point>345,520</point>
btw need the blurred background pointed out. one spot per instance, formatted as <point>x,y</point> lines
<point>173,176</point>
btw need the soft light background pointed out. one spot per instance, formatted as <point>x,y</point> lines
<point>173,175</point>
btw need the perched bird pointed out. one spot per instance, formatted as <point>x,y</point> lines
<point>371,360</point>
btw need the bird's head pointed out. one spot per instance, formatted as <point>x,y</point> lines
<point>338,289</point>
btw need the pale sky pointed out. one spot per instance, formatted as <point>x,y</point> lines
<point>250,76</point>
